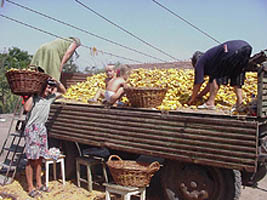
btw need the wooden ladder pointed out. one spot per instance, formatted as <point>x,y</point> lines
<point>13,146</point>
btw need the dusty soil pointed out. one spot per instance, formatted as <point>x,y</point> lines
<point>71,191</point>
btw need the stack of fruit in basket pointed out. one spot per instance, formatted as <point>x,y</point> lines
<point>25,81</point>
<point>179,83</point>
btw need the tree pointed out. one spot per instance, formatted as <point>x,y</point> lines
<point>71,66</point>
<point>13,58</point>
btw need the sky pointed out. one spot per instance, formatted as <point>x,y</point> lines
<point>223,20</point>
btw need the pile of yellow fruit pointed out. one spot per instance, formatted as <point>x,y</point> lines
<point>24,69</point>
<point>178,81</point>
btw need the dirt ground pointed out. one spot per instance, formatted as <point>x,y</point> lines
<point>71,192</point>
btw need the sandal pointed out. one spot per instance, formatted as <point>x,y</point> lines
<point>205,106</point>
<point>34,193</point>
<point>44,189</point>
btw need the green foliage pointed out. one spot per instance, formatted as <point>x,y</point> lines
<point>14,58</point>
<point>70,66</point>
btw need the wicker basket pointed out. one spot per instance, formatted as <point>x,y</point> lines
<point>25,82</point>
<point>131,173</point>
<point>145,97</point>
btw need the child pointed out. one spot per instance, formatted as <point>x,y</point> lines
<point>115,87</point>
<point>37,108</point>
<point>110,72</point>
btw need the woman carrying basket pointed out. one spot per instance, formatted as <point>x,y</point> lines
<point>51,57</point>
<point>36,148</point>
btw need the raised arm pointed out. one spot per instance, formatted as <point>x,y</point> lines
<point>61,89</point>
<point>68,54</point>
<point>28,104</point>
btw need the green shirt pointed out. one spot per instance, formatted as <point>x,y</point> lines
<point>50,55</point>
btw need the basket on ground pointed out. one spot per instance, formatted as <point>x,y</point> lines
<point>145,97</point>
<point>131,173</point>
<point>26,82</point>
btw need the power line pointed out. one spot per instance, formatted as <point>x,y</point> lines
<point>57,36</point>
<point>84,31</point>
<point>186,21</point>
<point>126,31</point>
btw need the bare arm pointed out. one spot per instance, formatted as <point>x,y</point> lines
<point>204,92</point>
<point>117,96</point>
<point>28,104</point>
<point>68,54</point>
<point>62,90</point>
<point>196,89</point>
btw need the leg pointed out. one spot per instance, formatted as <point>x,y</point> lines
<point>46,173</point>
<point>108,195</point>
<point>55,170</point>
<point>99,93</point>
<point>126,197</point>
<point>29,174</point>
<point>143,194</point>
<point>62,170</point>
<point>38,172</point>
<point>237,82</point>
<point>214,87</point>
<point>105,172</point>
<point>238,92</point>
<point>78,173</point>
<point>89,178</point>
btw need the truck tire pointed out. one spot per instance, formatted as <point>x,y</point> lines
<point>183,181</point>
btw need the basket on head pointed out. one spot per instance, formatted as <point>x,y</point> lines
<point>131,173</point>
<point>144,97</point>
<point>26,82</point>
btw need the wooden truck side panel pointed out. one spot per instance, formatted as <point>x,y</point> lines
<point>215,140</point>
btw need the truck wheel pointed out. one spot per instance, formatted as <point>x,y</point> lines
<point>195,182</point>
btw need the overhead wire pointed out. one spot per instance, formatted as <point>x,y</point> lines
<point>186,21</point>
<point>126,31</point>
<point>84,31</point>
<point>57,36</point>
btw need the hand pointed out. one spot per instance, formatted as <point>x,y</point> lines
<point>190,102</point>
<point>126,86</point>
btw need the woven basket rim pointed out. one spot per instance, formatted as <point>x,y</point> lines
<point>21,71</point>
<point>131,164</point>
<point>145,89</point>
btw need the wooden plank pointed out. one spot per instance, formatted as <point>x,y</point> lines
<point>158,146</point>
<point>161,121</point>
<point>186,133</point>
<point>171,116</point>
<point>225,132</point>
<point>98,131</point>
<point>171,156</point>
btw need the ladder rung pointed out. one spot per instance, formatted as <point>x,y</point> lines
<point>13,147</point>
<point>17,134</point>
<point>4,166</point>
<point>22,118</point>
<point>5,180</point>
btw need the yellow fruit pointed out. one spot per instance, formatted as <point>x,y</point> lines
<point>179,83</point>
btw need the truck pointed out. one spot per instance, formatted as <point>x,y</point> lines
<point>207,155</point>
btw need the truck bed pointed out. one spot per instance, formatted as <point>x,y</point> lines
<point>203,138</point>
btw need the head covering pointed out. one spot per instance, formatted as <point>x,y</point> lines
<point>195,57</point>
<point>77,40</point>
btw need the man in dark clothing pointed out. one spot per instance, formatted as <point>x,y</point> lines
<point>221,63</point>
